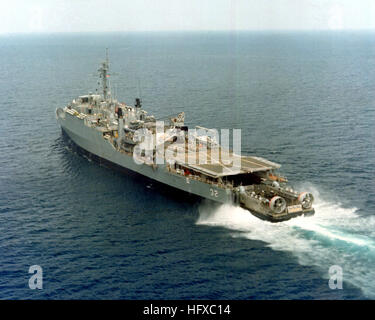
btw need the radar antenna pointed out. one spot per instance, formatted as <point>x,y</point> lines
<point>103,73</point>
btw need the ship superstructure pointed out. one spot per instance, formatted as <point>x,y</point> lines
<point>115,132</point>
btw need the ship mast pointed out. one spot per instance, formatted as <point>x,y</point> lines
<point>103,72</point>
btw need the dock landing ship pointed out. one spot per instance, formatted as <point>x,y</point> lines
<point>107,129</point>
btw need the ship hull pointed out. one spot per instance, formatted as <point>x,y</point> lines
<point>90,141</point>
<point>138,178</point>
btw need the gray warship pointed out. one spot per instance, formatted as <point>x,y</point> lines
<point>109,131</point>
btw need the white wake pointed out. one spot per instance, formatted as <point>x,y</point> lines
<point>334,236</point>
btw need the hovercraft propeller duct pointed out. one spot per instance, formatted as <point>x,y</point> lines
<point>277,204</point>
<point>306,199</point>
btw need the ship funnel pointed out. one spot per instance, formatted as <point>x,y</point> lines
<point>138,103</point>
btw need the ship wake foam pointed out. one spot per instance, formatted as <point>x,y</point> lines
<point>334,236</point>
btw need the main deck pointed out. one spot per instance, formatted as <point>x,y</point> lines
<point>219,162</point>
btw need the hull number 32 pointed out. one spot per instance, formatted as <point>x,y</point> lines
<point>214,193</point>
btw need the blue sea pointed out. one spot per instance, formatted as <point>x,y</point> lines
<point>302,99</point>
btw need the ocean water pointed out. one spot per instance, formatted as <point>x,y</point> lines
<point>304,99</point>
